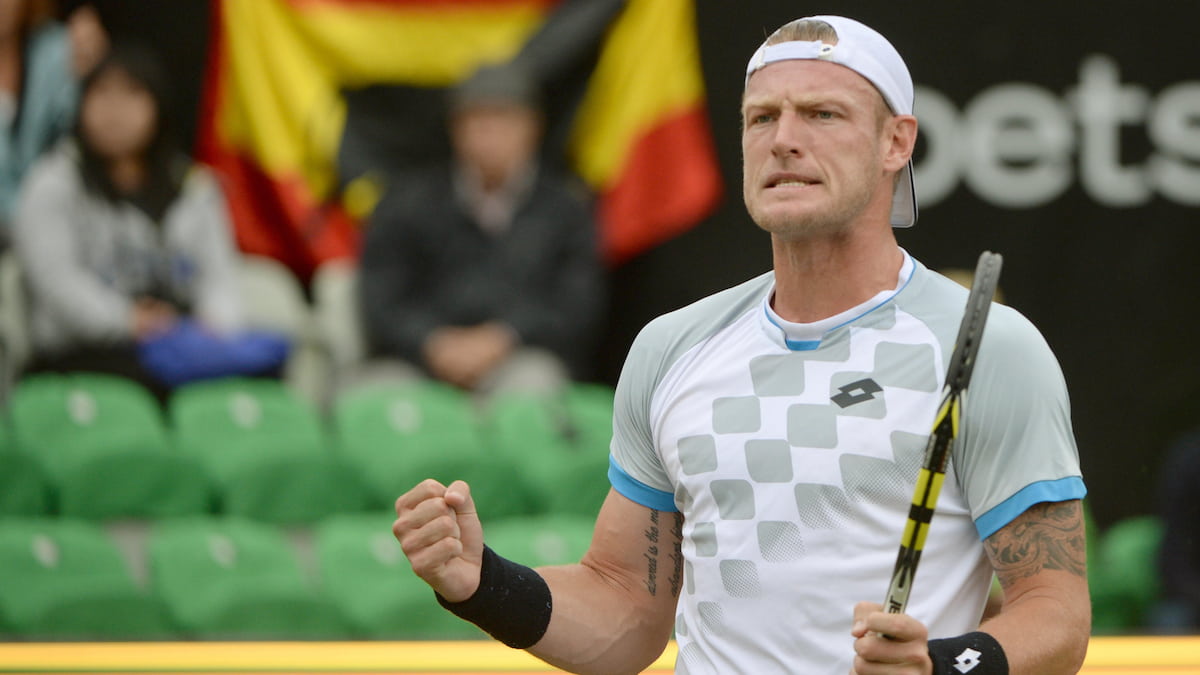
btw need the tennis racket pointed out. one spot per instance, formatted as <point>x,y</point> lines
<point>945,429</point>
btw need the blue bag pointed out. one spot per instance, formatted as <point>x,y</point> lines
<point>189,352</point>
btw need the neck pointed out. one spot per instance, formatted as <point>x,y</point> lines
<point>818,277</point>
<point>492,182</point>
<point>127,174</point>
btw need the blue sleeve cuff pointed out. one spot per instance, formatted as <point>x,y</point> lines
<point>638,491</point>
<point>1061,490</point>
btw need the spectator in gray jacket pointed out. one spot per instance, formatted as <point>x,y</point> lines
<point>485,274</point>
<point>118,234</point>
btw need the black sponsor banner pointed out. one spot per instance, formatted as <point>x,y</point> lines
<point>1068,141</point>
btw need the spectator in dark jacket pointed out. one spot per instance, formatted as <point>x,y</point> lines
<point>485,273</point>
<point>1179,556</point>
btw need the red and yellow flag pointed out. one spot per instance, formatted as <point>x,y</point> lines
<point>275,111</point>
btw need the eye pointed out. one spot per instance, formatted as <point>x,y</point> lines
<point>761,118</point>
<point>825,114</point>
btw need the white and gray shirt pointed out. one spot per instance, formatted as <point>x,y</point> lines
<point>792,451</point>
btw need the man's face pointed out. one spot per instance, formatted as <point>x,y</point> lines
<point>496,140</point>
<point>814,144</point>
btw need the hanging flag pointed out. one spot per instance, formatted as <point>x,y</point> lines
<point>310,104</point>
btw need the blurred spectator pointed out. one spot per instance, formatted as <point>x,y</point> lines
<point>485,273</point>
<point>1179,555</point>
<point>122,239</point>
<point>41,61</point>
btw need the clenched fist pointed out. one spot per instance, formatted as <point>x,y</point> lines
<point>440,533</point>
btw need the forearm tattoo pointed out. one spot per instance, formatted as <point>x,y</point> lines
<point>1048,536</point>
<point>676,580</point>
<point>657,549</point>
<point>651,554</point>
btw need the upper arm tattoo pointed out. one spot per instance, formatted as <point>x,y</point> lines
<point>1048,536</point>
<point>667,549</point>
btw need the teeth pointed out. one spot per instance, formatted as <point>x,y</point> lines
<point>789,181</point>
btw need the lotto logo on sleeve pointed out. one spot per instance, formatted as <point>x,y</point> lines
<point>967,660</point>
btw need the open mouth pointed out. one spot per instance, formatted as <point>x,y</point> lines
<point>788,181</point>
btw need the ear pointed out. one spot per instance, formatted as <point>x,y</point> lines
<point>900,138</point>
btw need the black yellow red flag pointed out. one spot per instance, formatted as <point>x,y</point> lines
<point>290,83</point>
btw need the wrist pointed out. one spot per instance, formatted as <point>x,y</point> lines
<point>512,602</point>
<point>456,595</point>
<point>977,653</point>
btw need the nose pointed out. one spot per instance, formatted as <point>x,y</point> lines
<point>790,135</point>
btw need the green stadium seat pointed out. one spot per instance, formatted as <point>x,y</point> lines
<point>535,541</point>
<point>581,486</point>
<point>1091,532</point>
<point>591,408</point>
<point>65,579</point>
<point>233,578</point>
<point>23,488</point>
<point>366,574</point>
<point>398,435</point>
<point>1124,583</point>
<point>264,449</point>
<point>584,484</point>
<point>103,446</point>
<point>561,446</point>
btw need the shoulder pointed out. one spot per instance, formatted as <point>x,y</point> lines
<point>196,179</point>
<point>559,201</point>
<point>413,192</point>
<point>1010,329</point>
<point>563,185</point>
<point>671,335</point>
<point>49,48</point>
<point>939,302</point>
<point>199,194</point>
<point>56,172</point>
<point>1014,350</point>
<point>935,300</point>
<point>660,346</point>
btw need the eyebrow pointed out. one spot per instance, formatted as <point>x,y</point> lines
<point>803,102</point>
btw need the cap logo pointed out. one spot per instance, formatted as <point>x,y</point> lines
<point>758,60</point>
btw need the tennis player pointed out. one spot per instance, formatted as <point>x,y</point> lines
<point>767,438</point>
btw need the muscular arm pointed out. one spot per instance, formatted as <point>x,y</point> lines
<point>1040,560</point>
<point>613,612</point>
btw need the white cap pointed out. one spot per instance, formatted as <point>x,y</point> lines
<point>866,52</point>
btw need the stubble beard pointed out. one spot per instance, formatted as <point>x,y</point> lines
<point>787,225</point>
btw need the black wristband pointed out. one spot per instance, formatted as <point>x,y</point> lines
<point>512,603</point>
<point>976,653</point>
